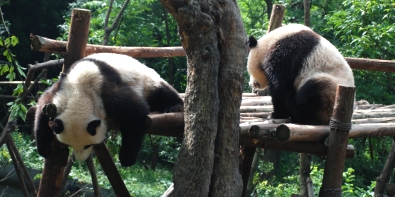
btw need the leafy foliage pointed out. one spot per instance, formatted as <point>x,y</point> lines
<point>36,17</point>
<point>17,108</point>
<point>140,182</point>
<point>365,29</point>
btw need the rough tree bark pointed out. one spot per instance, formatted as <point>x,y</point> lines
<point>215,43</point>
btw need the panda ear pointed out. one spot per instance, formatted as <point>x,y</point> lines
<point>253,42</point>
<point>56,126</point>
<point>92,127</point>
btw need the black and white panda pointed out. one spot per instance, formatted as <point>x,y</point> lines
<point>302,70</point>
<point>98,92</point>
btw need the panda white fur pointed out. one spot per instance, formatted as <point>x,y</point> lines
<point>98,92</point>
<point>302,70</point>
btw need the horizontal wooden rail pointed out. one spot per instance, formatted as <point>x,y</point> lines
<point>43,44</point>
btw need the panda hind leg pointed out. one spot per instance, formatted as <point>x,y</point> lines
<point>314,101</point>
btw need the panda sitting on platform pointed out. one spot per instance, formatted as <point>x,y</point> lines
<point>302,70</point>
<point>98,92</point>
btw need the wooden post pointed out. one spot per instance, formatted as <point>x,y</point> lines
<point>386,173</point>
<point>78,37</point>
<point>340,126</point>
<point>276,18</point>
<point>110,170</point>
<point>53,168</point>
<point>247,157</point>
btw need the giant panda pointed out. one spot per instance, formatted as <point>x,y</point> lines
<point>99,92</point>
<point>302,70</point>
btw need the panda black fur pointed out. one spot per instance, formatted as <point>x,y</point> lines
<point>97,92</point>
<point>302,70</point>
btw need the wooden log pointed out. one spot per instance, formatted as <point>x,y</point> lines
<point>55,164</point>
<point>276,17</point>
<point>362,115</point>
<point>51,181</point>
<point>258,130</point>
<point>78,37</point>
<point>390,188</point>
<point>371,64</point>
<point>256,102</point>
<point>168,124</point>
<point>16,166</point>
<point>244,109</point>
<point>43,44</point>
<point>316,148</point>
<point>381,109</point>
<point>373,120</point>
<point>293,132</point>
<point>251,119</point>
<point>257,114</point>
<point>310,188</point>
<point>337,142</point>
<point>369,106</point>
<point>95,183</point>
<point>386,173</point>
<point>246,159</point>
<point>108,166</point>
<point>389,106</point>
<point>249,95</point>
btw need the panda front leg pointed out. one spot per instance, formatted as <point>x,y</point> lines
<point>132,138</point>
<point>281,105</point>
<point>130,112</point>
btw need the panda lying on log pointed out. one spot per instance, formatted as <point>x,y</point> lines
<point>302,70</point>
<point>98,92</point>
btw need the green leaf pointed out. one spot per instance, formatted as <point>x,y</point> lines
<point>10,76</point>
<point>20,69</point>
<point>7,54</point>
<point>14,40</point>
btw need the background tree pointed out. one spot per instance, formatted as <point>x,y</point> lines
<point>366,29</point>
<point>37,17</point>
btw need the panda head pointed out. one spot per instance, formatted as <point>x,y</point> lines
<point>260,52</point>
<point>258,79</point>
<point>80,120</point>
<point>79,133</point>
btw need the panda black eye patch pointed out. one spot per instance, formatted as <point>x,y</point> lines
<point>92,127</point>
<point>56,126</point>
<point>87,146</point>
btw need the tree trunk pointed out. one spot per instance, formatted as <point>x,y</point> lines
<point>215,43</point>
<point>306,5</point>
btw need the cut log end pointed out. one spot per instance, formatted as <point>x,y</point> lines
<point>283,133</point>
